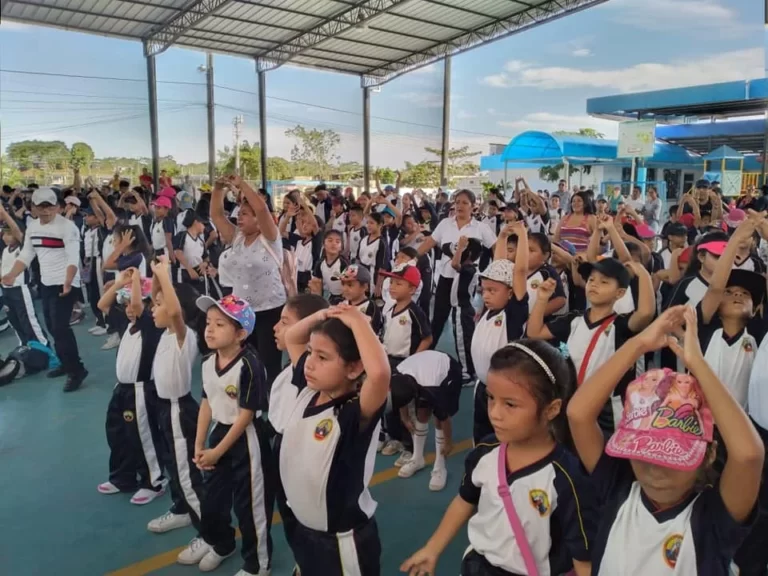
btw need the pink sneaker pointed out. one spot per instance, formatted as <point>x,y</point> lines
<point>145,496</point>
<point>108,488</point>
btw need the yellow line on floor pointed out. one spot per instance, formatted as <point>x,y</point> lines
<point>168,558</point>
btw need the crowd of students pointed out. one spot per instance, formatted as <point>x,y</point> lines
<point>620,404</point>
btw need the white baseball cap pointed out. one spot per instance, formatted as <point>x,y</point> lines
<point>499,271</point>
<point>73,200</point>
<point>44,196</point>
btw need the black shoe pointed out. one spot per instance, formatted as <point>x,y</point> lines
<point>75,381</point>
<point>56,372</point>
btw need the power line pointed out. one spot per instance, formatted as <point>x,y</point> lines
<point>330,108</point>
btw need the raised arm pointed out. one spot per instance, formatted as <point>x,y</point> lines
<point>161,282</point>
<point>255,201</point>
<point>297,336</point>
<point>226,229</point>
<point>12,226</point>
<point>646,298</point>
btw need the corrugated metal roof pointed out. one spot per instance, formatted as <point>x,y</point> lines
<point>375,39</point>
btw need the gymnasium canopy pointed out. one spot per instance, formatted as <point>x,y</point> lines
<point>375,39</point>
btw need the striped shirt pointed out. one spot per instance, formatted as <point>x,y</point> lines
<point>56,245</point>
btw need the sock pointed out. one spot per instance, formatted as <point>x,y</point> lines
<point>419,440</point>
<point>439,456</point>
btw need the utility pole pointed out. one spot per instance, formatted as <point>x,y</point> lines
<point>236,123</point>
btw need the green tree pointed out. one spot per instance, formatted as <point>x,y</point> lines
<point>315,149</point>
<point>29,154</point>
<point>279,169</point>
<point>386,175</point>
<point>80,156</point>
<point>456,156</point>
<point>421,175</point>
<point>586,132</point>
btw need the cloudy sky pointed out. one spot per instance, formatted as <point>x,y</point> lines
<point>540,80</point>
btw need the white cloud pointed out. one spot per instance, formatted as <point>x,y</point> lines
<point>548,122</point>
<point>668,14</point>
<point>707,69</point>
<point>516,66</point>
<point>582,52</point>
<point>464,115</point>
<point>10,26</point>
<point>425,70</point>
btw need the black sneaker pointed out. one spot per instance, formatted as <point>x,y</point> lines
<point>56,372</point>
<point>75,381</point>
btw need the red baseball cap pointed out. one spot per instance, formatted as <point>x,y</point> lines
<point>685,256</point>
<point>644,231</point>
<point>405,272</point>
<point>162,201</point>
<point>716,247</point>
<point>167,193</point>
<point>688,220</point>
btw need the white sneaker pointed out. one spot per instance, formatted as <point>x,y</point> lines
<point>438,479</point>
<point>391,448</point>
<point>211,560</point>
<point>98,330</point>
<point>112,342</point>
<point>404,457</point>
<point>169,521</point>
<point>145,496</point>
<point>410,468</point>
<point>107,488</point>
<point>193,553</point>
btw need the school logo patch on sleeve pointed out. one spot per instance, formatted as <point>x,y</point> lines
<point>128,416</point>
<point>540,501</point>
<point>231,391</point>
<point>671,549</point>
<point>323,428</point>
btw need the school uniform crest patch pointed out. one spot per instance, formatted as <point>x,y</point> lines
<point>231,391</point>
<point>403,320</point>
<point>323,428</point>
<point>128,416</point>
<point>535,284</point>
<point>671,549</point>
<point>746,344</point>
<point>540,501</point>
<point>498,321</point>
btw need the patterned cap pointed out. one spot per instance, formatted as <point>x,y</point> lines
<point>499,271</point>
<point>405,272</point>
<point>124,294</point>
<point>354,272</point>
<point>233,307</point>
<point>666,421</point>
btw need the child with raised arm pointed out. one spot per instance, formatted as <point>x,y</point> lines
<point>329,441</point>
<point>658,514</point>
<point>529,507</point>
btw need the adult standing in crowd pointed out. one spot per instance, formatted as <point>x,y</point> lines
<point>565,195</point>
<point>252,263</point>
<point>55,242</point>
<point>651,210</point>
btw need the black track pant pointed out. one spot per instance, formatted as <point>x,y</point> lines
<point>177,421</point>
<point>57,311</point>
<point>134,438</point>
<point>442,310</point>
<point>752,556</point>
<point>325,554</point>
<point>474,564</point>
<point>463,322</point>
<point>22,316</point>
<point>241,480</point>
<point>263,339</point>
<point>481,423</point>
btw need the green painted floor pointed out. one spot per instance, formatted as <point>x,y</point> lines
<point>53,453</point>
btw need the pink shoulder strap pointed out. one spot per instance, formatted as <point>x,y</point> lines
<point>514,520</point>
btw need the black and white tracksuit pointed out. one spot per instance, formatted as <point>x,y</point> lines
<point>18,299</point>
<point>132,432</point>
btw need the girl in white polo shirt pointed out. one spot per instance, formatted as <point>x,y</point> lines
<point>659,516</point>
<point>529,507</point>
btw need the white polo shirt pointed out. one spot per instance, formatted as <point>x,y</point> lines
<point>447,235</point>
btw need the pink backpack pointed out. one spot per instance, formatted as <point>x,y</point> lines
<point>288,270</point>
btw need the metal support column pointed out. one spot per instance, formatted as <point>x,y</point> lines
<point>446,121</point>
<point>211,119</point>
<point>567,176</point>
<point>263,126</point>
<point>152,92</point>
<point>366,138</point>
<point>764,179</point>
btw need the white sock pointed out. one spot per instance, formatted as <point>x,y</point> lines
<point>439,456</point>
<point>419,440</point>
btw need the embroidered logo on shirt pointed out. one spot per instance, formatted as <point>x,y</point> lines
<point>540,501</point>
<point>403,320</point>
<point>535,284</point>
<point>747,345</point>
<point>323,428</point>
<point>498,321</point>
<point>231,391</point>
<point>128,416</point>
<point>671,549</point>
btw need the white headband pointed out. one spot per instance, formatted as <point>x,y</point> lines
<point>536,357</point>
